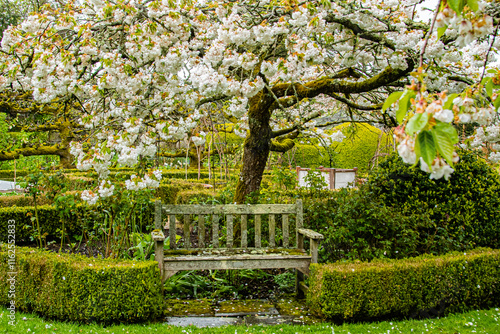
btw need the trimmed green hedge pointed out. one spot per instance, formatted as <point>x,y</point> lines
<point>76,288</point>
<point>169,189</point>
<point>22,200</point>
<point>47,215</point>
<point>204,196</point>
<point>360,146</point>
<point>357,150</point>
<point>310,156</point>
<point>405,288</point>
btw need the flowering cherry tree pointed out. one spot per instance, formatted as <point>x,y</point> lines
<point>144,70</point>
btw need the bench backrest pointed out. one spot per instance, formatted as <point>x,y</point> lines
<point>233,213</point>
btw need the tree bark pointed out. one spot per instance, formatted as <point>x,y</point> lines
<point>255,149</point>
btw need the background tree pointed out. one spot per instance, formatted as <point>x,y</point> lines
<point>33,129</point>
<point>143,71</point>
<point>55,126</point>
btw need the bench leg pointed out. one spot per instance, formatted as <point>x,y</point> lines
<point>167,274</point>
<point>159,255</point>
<point>299,277</point>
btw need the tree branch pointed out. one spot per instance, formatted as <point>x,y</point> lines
<point>360,32</point>
<point>354,105</point>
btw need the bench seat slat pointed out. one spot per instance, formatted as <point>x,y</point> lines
<point>215,252</point>
<point>301,262</point>
<point>257,209</point>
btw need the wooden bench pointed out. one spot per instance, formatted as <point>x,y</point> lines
<point>201,249</point>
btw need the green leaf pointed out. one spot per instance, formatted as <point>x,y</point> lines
<point>441,31</point>
<point>391,100</point>
<point>445,136</point>
<point>448,130</point>
<point>427,148</point>
<point>457,5</point>
<point>473,5</point>
<point>449,101</point>
<point>497,103</point>
<point>417,123</point>
<point>489,88</point>
<point>404,105</point>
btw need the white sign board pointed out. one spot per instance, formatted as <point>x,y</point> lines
<point>342,178</point>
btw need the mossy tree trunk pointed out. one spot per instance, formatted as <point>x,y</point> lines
<point>261,139</point>
<point>256,147</point>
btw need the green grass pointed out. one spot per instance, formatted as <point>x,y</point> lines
<point>482,321</point>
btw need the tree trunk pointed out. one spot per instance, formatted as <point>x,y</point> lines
<point>66,159</point>
<point>256,149</point>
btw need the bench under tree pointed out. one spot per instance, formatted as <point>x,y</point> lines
<point>208,238</point>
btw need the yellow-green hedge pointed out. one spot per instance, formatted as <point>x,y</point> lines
<point>77,288</point>
<point>203,196</point>
<point>405,288</point>
<point>169,189</point>
<point>22,200</point>
<point>48,217</point>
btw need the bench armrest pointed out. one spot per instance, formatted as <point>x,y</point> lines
<point>157,235</point>
<point>311,234</point>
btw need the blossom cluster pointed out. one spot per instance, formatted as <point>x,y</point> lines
<point>141,70</point>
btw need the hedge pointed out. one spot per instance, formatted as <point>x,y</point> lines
<point>415,287</point>
<point>118,173</point>
<point>9,173</point>
<point>76,288</point>
<point>22,200</point>
<point>48,217</point>
<point>169,189</point>
<point>310,156</point>
<point>356,150</point>
<point>204,196</point>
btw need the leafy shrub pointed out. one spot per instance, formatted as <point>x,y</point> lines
<point>77,288</point>
<point>417,287</point>
<point>465,210</point>
<point>216,283</point>
<point>357,226</point>
<point>285,281</point>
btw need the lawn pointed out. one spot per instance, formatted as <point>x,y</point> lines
<point>480,321</point>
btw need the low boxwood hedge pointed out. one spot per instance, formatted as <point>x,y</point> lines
<point>413,287</point>
<point>76,288</point>
<point>48,217</point>
<point>204,196</point>
<point>22,200</point>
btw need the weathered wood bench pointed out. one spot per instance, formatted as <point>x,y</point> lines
<point>205,252</point>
